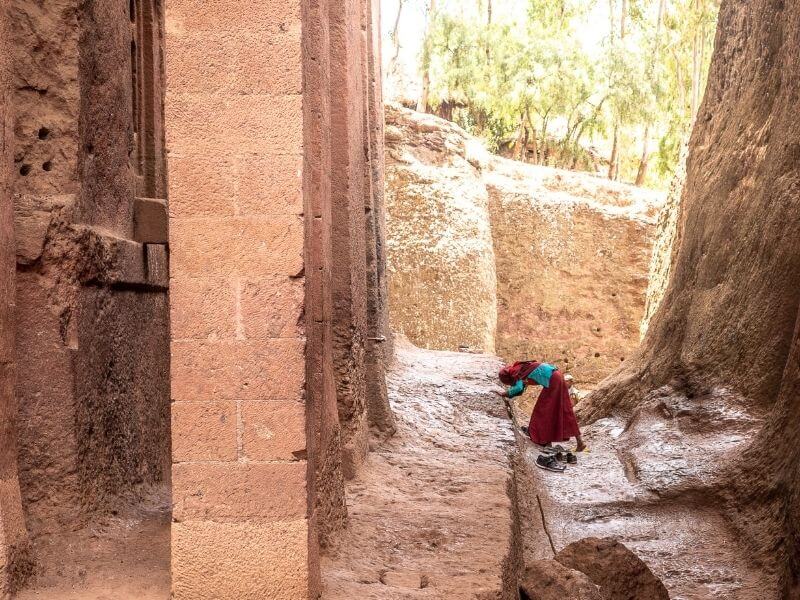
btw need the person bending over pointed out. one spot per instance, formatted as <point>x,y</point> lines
<point>553,418</point>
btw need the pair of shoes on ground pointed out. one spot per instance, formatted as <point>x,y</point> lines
<point>555,462</point>
<point>549,462</point>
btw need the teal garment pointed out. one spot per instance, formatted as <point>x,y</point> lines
<point>540,375</point>
<point>516,389</point>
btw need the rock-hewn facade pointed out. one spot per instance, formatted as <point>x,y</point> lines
<point>199,302</point>
<point>714,388</point>
<point>501,256</point>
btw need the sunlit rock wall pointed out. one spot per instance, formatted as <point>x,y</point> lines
<point>666,244</point>
<point>529,262</point>
<point>714,390</point>
<point>439,242</point>
<point>573,253</point>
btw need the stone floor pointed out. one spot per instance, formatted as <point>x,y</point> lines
<point>430,516</point>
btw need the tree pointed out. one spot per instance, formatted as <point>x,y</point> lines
<point>525,82</point>
<point>644,162</point>
<point>394,36</point>
<point>422,104</point>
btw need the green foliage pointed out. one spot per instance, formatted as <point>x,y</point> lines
<point>528,84</point>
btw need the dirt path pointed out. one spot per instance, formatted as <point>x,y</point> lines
<point>429,513</point>
<point>684,540</point>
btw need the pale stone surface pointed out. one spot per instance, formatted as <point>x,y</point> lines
<point>573,253</point>
<point>530,262</point>
<point>235,130</point>
<point>204,431</point>
<point>239,491</point>
<point>273,430</point>
<point>439,242</point>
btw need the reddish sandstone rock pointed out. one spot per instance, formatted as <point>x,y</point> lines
<point>550,580</point>
<point>466,230</point>
<point>619,572</point>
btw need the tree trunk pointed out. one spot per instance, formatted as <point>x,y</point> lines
<point>544,147</point>
<point>623,20</point>
<point>696,69</point>
<point>680,81</point>
<point>613,168</point>
<point>519,146</point>
<point>422,103</point>
<point>392,67</point>
<point>645,160</point>
<point>613,162</point>
<point>641,175</point>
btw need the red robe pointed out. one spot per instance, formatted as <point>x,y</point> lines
<point>553,418</point>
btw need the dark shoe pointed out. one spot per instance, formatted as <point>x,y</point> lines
<point>549,463</point>
<point>560,457</point>
<point>571,459</point>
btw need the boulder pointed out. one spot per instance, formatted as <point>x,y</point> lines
<point>619,573</point>
<point>550,580</point>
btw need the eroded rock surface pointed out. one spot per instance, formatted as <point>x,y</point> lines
<point>441,260</point>
<point>573,254</point>
<point>685,540</point>
<point>429,513</point>
<point>619,573</point>
<point>550,580</point>
<point>494,254</point>
<point>713,392</point>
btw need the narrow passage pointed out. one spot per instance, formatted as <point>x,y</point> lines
<point>430,515</point>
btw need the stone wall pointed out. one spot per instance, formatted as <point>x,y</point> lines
<point>234,114</point>
<point>666,244</point>
<point>273,120</point>
<point>441,260</point>
<point>572,254</point>
<point>525,261</point>
<point>277,337</point>
<point>92,385</point>
<point>718,368</point>
<point>14,561</point>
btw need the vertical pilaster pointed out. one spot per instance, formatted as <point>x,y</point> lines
<point>379,343</point>
<point>234,121</point>
<point>348,186</point>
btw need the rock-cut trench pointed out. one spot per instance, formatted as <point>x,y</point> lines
<point>693,437</point>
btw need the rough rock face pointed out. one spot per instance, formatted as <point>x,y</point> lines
<point>665,245</point>
<point>720,364</point>
<point>550,580</point>
<point>13,536</point>
<point>572,256</point>
<point>494,254</point>
<point>439,241</point>
<point>620,574</point>
<point>92,327</point>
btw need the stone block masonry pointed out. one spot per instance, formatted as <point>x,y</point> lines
<point>250,393</point>
<point>278,305</point>
<point>235,150</point>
